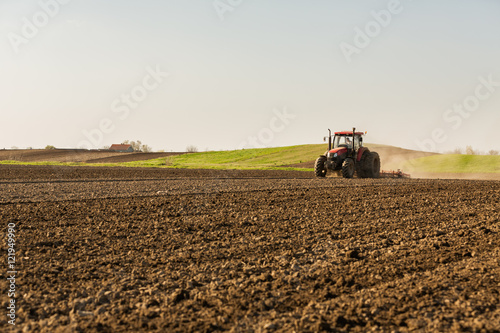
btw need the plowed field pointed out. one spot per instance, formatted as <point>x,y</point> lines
<point>77,155</point>
<point>115,250</point>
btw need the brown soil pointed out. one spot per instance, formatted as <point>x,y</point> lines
<point>200,250</point>
<point>76,155</point>
<point>48,172</point>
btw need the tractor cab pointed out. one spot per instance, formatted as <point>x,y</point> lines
<point>346,140</point>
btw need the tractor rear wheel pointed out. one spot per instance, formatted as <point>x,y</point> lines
<point>372,165</point>
<point>348,168</point>
<point>319,167</point>
<point>361,165</point>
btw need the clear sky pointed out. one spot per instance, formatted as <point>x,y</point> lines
<point>223,74</point>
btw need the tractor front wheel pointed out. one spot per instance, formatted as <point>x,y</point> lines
<point>319,166</point>
<point>348,168</point>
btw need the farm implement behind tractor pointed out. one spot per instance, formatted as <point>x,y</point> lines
<point>394,174</point>
<point>347,156</point>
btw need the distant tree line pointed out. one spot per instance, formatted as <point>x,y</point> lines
<point>471,151</point>
<point>138,146</point>
<point>191,149</point>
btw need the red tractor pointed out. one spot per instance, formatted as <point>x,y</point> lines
<point>346,156</point>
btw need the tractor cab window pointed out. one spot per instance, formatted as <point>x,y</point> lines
<point>342,141</point>
<point>346,141</point>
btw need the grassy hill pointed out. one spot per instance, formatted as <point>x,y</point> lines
<point>250,158</point>
<point>301,157</point>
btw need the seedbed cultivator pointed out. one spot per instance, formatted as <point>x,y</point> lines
<point>394,174</point>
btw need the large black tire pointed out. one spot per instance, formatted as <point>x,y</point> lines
<point>361,165</point>
<point>372,165</point>
<point>348,168</point>
<point>319,167</point>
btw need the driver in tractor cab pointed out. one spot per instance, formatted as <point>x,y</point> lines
<point>349,142</point>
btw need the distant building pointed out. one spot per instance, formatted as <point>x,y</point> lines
<point>122,148</point>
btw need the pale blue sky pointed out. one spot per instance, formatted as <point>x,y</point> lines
<point>227,76</point>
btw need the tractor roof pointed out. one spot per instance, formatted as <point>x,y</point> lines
<point>349,133</point>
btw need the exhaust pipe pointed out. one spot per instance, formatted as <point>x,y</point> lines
<point>353,134</point>
<point>329,140</point>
